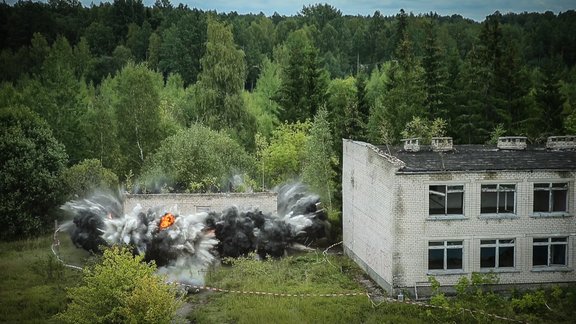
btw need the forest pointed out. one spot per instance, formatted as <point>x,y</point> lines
<point>170,98</point>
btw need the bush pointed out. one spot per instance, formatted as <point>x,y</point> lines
<point>30,165</point>
<point>121,289</point>
<point>85,177</point>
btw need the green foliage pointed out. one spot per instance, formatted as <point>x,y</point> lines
<point>121,289</point>
<point>497,132</point>
<point>83,178</point>
<point>304,82</point>
<point>30,166</point>
<point>281,159</point>
<point>424,129</point>
<point>320,159</point>
<point>218,93</point>
<point>137,110</point>
<point>344,115</point>
<point>33,282</point>
<point>260,104</point>
<point>196,159</point>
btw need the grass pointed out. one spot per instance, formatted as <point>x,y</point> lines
<point>33,289</point>
<point>304,274</point>
<point>33,283</point>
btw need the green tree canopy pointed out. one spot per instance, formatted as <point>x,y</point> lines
<point>137,109</point>
<point>196,159</point>
<point>218,95</point>
<point>83,178</point>
<point>281,159</point>
<point>30,166</point>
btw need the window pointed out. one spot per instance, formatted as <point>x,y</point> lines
<point>551,251</point>
<point>550,197</point>
<point>445,255</point>
<point>497,253</point>
<point>498,199</point>
<point>446,200</point>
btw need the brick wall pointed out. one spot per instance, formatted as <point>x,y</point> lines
<point>387,225</point>
<point>193,203</point>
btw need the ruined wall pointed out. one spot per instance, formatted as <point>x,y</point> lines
<point>193,203</point>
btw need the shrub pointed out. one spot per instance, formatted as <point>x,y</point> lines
<point>121,289</point>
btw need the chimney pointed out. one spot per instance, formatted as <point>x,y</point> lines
<point>441,144</point>
<point>561,142</point>
<point>512,143</point>
<point>411,144</point>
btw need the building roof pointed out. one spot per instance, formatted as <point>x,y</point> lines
<point>481,158</point>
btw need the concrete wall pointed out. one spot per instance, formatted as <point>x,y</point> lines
<point>387,226</point>
<point>193,203</point>
<point>368,209</point>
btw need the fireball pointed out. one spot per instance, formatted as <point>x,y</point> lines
<point>166,221</point>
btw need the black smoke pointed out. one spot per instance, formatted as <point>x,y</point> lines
<point>188,247</point>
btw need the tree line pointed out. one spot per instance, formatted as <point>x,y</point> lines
<point>171,98</point>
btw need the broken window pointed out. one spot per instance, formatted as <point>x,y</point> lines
<point>550,251</point>
<point>550,197</point>
<point>497,253</point>
<point>445,255</point>
<point>498,199</point>
<point>446,200</point>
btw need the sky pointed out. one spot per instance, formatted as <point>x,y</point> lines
<point>473,9</point>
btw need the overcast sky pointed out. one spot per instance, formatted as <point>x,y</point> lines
<point>474,9</point>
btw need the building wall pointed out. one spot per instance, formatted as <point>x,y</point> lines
<point>417,228</point>
<point>193,203</point>
<point>387,226</point>
<point>368,210</point>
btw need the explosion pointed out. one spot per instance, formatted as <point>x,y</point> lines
<point>166,221</point>
<point>185,246</point>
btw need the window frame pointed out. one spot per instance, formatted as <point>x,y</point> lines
<point>550,189</point>
<point>549,243</point>
<point>498,190</point>
<point>448,190</point>
<point>497,245</point>
<point>445,247</point>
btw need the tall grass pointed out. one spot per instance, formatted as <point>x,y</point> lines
<point>307,274</point>
<point>33,282</point>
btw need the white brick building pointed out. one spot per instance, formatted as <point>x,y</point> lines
<point>451,212</point>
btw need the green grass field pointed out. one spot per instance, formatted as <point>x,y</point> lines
<point>312,274</point>
<point>32,282</point>
<point>33,289</point>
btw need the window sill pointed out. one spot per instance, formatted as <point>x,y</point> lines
<point>458,272</point>
<point>552,269</point>
<point>446,217</point>
<point>551,215</point>
<point>499,270</point>
<point>498,216</point>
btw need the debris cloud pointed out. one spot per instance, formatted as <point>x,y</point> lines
<point>185,246</point>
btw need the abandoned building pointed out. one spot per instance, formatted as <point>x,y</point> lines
<point>448,211</point>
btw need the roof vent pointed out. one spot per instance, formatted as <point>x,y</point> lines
<point>411,144</point>
<point>442,144</point>
<point>512,143</point>
<point>561,142</point>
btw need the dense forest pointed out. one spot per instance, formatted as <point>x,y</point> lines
<point>170,98</point>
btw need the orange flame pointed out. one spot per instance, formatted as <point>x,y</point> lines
<point>166,221</point>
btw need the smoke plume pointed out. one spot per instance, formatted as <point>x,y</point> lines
<point>184,246</point>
